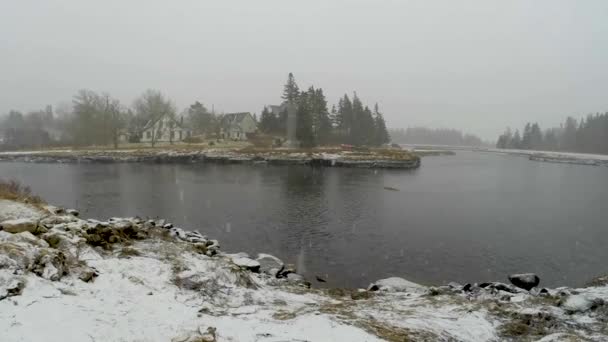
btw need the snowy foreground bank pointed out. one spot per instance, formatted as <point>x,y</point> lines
<point>129,279</point>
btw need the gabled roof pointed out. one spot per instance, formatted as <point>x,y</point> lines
<point>152,123</point>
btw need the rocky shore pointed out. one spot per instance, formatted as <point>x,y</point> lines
<point>331,158</point>
<point>64,278</point>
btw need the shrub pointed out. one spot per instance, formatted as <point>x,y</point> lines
<point>261,140</point>
<point>13,190</point>
<point>193,140</point>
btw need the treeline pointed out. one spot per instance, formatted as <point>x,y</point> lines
<point>588,135</point>
<point>350,122</point>
<point>98,119</point>
<point>423,135</point>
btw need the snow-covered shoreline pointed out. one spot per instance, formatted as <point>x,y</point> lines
<point>131,279</point>
<point>556,157</point>
<point>327,158</point>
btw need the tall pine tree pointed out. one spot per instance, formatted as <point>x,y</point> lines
<point>290,90</point>
<point>304,125</point>
<point>381,135</point>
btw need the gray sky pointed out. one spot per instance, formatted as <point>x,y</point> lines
<point>476,65</point>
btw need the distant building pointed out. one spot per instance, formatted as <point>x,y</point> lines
<point>165,129</point>
<point>236,126</point>
<point>278,110</point>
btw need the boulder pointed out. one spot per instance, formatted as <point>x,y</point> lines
<point>11,286</point>
<point>270,264</point>
<point>524,281</point>
<point>50,264</point>
<point>19,225</point>
<point>502,287</point>
<point>88,274</point>
<point>395,284</point>
<point>455,286</point>
<point>72,212</point>
<point>297,279</point>
<point>580,303</point>
<point>247,263</point>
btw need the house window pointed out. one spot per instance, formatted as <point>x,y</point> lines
<point>149,135</point>
<point>172,135</point>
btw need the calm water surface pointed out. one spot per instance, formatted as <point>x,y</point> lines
<point>472,217</point>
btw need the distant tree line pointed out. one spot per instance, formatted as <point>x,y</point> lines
<point>350,122</point>
<point>423,135</point>
<point>588,135</point>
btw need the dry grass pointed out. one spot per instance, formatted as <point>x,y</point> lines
<point>15,191</point>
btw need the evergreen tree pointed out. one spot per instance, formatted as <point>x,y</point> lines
<point>290,90</point>
<point>344,116</point>
<point>321,120</point>
<point>526,140</point>
<point>268,121</point>
<point>381,135</point>
<point>536,137</point>
<point>304,125</point>
<point>516,141</point>
<point>569,136</point>
<point>201,120</point>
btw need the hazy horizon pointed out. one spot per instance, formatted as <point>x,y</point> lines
<point>478,66</point>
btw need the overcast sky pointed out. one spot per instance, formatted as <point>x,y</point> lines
<point>477,65</point>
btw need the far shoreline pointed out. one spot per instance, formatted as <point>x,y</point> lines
<point>376,158</point>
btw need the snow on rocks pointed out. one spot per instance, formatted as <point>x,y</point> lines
<point>247,263</point>
<point>581,303</point>
<point>19,225</point>
<point>10,210</point>
<point>394,284</point>
<point>269,264</point>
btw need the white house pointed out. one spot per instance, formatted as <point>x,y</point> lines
<point>236,126</point>
<point>166,128</point>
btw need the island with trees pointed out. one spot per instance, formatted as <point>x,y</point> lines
<point>98,127</point>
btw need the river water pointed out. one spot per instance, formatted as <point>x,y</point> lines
<point>471,217</point>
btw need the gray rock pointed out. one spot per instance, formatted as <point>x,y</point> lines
<point>297,279</point>
<point>373,287</point>
<point>455,285</point>
<point>11,287</point>
<point>72,212</point>
<point>88,274</point>
<point>502,287</point>
<point>19,225</point>
<point>270,264</point>
<point>580,303</point>
<point>525,281</point>
<point>275,272</point>
<point>395,284</point>
<point>247,263</point>
<point>50,265</point>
